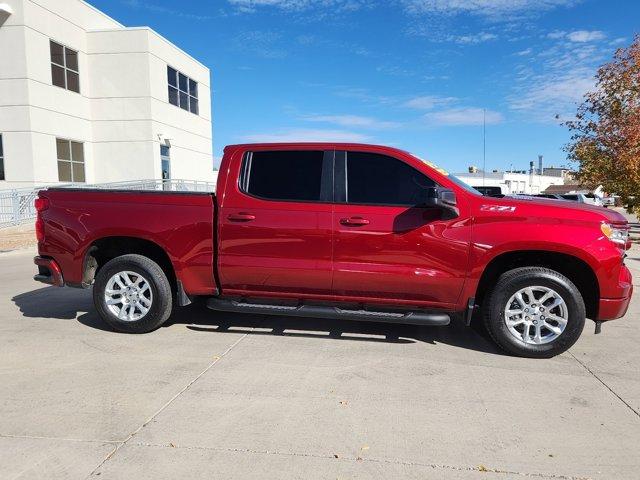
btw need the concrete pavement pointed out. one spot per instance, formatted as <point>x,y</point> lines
<point>218,395</point>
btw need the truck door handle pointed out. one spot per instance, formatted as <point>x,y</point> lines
<point>354,221</point>
<point>241,217</point>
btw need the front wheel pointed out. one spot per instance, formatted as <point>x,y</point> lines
<point>132,294</point>
<point>534,312</point>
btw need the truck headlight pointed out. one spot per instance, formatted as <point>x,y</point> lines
<point>616,234</point>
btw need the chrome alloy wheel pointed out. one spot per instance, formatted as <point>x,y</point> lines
<point>536,315</point>
<point>128,296</point>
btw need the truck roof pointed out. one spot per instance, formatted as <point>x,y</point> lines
<point>336,145</point>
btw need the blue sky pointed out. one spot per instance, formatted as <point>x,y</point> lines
<point>415,74</point>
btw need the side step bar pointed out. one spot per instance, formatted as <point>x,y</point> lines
<point>317,311</point>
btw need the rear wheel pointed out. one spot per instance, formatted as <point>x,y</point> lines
<point>534,312</point>
<point>132,294</point>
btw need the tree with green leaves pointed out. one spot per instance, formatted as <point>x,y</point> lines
<point>605,139</point>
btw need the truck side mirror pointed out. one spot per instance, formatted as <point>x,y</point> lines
<point>444,199</point>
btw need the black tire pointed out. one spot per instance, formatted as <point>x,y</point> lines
<point>514,280</point>
<point>161,293</point>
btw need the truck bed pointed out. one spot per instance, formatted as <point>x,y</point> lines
<point>180,224</point>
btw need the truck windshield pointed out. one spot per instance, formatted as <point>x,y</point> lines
<point>453,178</point>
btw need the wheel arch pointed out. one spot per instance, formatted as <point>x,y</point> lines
<point>572,267</point>
<point>107,248</point>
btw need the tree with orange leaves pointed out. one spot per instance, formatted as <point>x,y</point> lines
<point>605,137</point>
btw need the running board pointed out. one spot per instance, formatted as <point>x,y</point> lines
<point>317,311</point>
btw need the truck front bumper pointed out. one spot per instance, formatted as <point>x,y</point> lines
<point>48,272</point>
<point>612,308</point>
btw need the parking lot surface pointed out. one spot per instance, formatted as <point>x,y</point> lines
<point>217,395</point>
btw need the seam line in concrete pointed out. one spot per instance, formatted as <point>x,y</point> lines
<point>435,466</point>
<point>605,385</point>
<point>62,439</point>
<point>171,400</point>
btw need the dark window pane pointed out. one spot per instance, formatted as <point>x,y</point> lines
<point>193,88</point>
<point>62,147</point>
<point>382,180</point>
<point>1,147</point>
<point>71,59</point>
<point>172,76</point>
<point>293,175</point>
<point>173,96</point>
<point>184,101</point>
<point>164,150</point>
<point>78,172</point>
<point>57,76</point>
<point>57,53</point>
<point>193,105</point>
<point>183,82</point>
<point>64,171</point>
<point>77,152</point>
<point>73,81</point>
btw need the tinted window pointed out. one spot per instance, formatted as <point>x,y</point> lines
<point>382,180</point>
<point>570,197</point>
<point>283,175</point>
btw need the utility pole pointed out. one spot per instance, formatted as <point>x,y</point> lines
<point>484,143</point>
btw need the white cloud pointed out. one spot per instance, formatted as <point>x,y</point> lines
<point>162,10</point>
<point>428,102</point>
<point>556,34</point>
<point>578,36</point>
<point>472,39</point>
<point>496,9</point>
<point>549,96</point>
<point>435,33</point>
<point>265,44</point>
<point>307,135</point>
<point>462,116</point>
<point>353,121</point>
<point>581,36</point>
<point>555,83</point>
<point>250,6</point>
<point>525,52</point>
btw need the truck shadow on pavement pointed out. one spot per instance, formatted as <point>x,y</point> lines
<point>76,304</point>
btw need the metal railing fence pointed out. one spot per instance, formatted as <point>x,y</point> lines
<point>16,206</point>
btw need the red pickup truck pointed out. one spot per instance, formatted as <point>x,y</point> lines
<point>342,231</point>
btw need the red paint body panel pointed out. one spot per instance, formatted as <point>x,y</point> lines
<point>286,247</point>
<point>291,250</point>
<point>180,224</point>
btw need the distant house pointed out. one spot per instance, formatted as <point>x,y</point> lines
<point>511,182</point>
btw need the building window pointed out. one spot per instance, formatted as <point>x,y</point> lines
<point>64,67</point>
<point>183,92</point>
<point>70,160</point>
<point>1,160</point>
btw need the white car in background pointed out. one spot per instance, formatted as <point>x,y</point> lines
<point>589,198</point>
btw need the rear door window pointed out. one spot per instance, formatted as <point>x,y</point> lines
<point>289,175</point>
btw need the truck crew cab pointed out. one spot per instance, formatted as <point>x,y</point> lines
<point>341,231</point>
